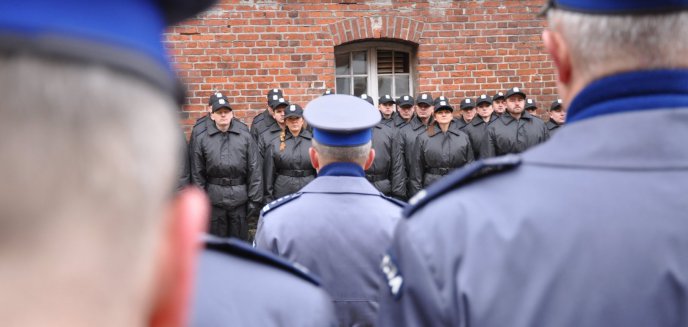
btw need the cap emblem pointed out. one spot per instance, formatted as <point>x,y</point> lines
<point>483,96</point>
<point>221,101</point>
<point>275,97</point>
<point>516,90</point>
<point>281,99</point>
<point>275,90</point>
<point>218,94</point>
<point>559,101</point>
<point>425,96</point>
<point>443,103</point>
<point>468,100</point>
<point>292,108</point>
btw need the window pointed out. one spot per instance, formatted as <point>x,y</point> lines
<point>375,68</point>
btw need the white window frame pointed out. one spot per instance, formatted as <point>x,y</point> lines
<point>372,47</point>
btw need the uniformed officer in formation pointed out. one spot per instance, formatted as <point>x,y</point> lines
<point>202,123</point>
<point>265,120</point>
<point>468,111</point>
<point>499,103</point>
<point>238,285</point>
<point>557,116</point>
<point>388,172</point>
<point>405,108</point>
<point>515,131</point>
<point>609,248</point>
<point>276,128</point>
<point>386,104</point>
<point>287,164</point>
<point>477,128</point>
<point>442,148</point>
<point>416,126</point>
<point>226,163</point>
<point>532,107</point>
<point>339,225</point>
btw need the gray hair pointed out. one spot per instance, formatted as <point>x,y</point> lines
<point>599,43</point>
<point>89,164</point>
<point>358,154</point>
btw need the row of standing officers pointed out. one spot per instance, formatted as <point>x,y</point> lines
<point>416,141</point>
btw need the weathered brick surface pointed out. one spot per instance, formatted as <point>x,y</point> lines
<point>245,47</point>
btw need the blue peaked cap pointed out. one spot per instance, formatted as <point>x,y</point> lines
<point>614,7</point>
<point>341,120</point>
<point>123,34</point>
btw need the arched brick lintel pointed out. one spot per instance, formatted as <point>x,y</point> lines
<point>376,27</point>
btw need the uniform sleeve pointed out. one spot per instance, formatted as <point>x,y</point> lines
<point>488,144</point>
<point>410,295</point>
<point>416,170</point>
<point>469,151</point>
<point>399,175</point>
<point>197,161</point>
<point>269,172</point>
<point>254,178</point>
<point>265,238</point>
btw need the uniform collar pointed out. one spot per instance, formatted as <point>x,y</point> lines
<point>633,91</point>
<point>507,118</point>
<point>212,128</point>
<point>304,133</point>
<point>342,169</point>
<point>479,121</point>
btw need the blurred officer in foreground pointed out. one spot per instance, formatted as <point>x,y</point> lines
<point>93,232</point>
<point>515,131</point>
<point>587,259</point>
<point>557,116</point>
<point>477,128</point>
<point>339,225</point>
<point>499,103</point>
<point>226,163</point>
<point>441,149</point>
<point>238,285</point>
<point>287,163</point>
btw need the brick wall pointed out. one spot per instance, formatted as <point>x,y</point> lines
<point>465,48</point>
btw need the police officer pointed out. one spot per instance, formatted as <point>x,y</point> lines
<point>587,258</point>
<point>499,103</point>
<point>390,117</point>
<point>226,163</point>
<point>477,128</point>
<point>242,286</point>
<point>532,107</point>
<point>202,123</point>
<point>515,131</point>
<point>338,225</point>
<point>405,108</point>
<point>557,116</point>
<point>287,164</point>
<point>274,130</point>
<point>468,111</point>
<point>387,173</point>
<point>410,132</point>
<point>441,149</point>
<point>265,120</point>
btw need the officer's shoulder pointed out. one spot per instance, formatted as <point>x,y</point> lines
<point>240,124</point>
<point>279,202</point>
<point>394,201</point>
<point>240,249</point>
<point>474,171</point>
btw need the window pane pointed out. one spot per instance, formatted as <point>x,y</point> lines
<point>385,61</point>
<point>384,85</point>
<point>401,63</point>
<point>343,85</point>
<point>360,85</point>
<point>360,62</point>
<point>342,62</point>
<point>401,85</point>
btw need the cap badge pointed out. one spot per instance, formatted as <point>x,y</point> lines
<point>516,90</point>
<point>500,93</point>
<point>443,103</point>
<point>530,100</point>
<point>275,90</point>
<point>221,101</point>
<point>218,94</point>
<point>425,96</point>
<point>483,96</point>
<point>292,108</point>
<point>405,97</point>
<point>468,100</point>
<point>275,97</point>
<point>281,99</point>
<point>364,96</point>
<point>558,100</point>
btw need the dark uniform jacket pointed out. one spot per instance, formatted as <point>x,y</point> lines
<point>202,123</point>
<point>338,226</point>
<point>228,166</point>
<point>261,122</point>
<point>289,170</point>
<point>552,127</point>
<point>407,137</point>
<point>387,173</point>
<point>608,249</point>
<point>237,285</point>
<point>508,135</point>
<point>477,131</point>
<point>266,137</point>
<point>437,155</point>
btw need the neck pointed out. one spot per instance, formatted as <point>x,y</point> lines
<point>295,132</point>
<point>485,119</point>
<point>444,126</point>
<point>425,120</point>
<point>516,116</point>
<point>387,116</point>
<point>223,128</point>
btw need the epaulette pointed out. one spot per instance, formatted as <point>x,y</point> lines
<point>200,120</point>
<point>467,174</point>
<point>241,124</point>
<point>274,204</point>
<point>242,249</point>
<point>393,200</point>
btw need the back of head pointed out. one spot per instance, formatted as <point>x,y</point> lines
<point>89,161</point>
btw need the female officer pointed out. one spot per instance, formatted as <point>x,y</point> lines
<point>287,166</point>
<point>441,149</point>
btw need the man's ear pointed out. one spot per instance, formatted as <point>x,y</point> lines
<point>314,158</point>
<point>557,48</point>
<point>369,161</point>
<point>180,244</point>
